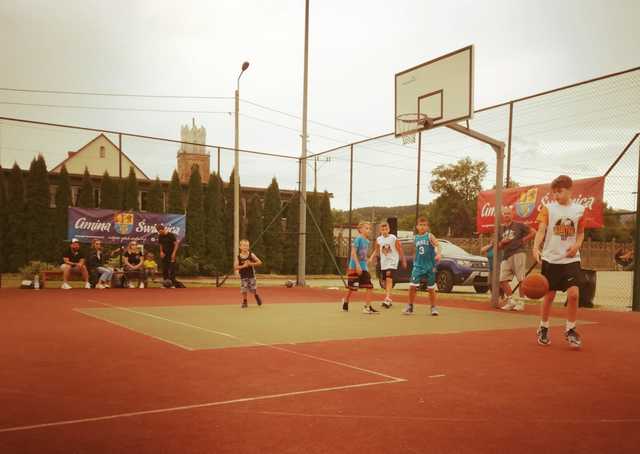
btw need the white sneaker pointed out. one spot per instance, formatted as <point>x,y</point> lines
<point>518,306</point>
<point>141,285</point>
<point>387,303</point>
<point>87,285</point>
<point>132,286</point>
<point>100,286</point>
<point>66,286</point>
<point>509,306</point>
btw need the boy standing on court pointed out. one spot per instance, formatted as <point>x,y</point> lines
<point>424,265</point>
<point>561,226</point>
<point>389,248</point>
<point>244,264</point>
<point>357,273</point>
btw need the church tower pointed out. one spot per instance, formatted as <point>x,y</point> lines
<point>188,154</point>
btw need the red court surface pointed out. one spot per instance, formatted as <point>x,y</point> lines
<point>75,384</point>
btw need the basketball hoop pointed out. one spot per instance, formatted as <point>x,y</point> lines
<point>412,122</point>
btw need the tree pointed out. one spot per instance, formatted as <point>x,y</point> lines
<point>85,196</point>
<point>214,237</point>
<point>228,222</point>
<point>458,186</point>
<point>255,227</point>
<point>175,195</point>
<point>15,223</point>
<point>273,235</point>
<point>195,215</point>
<point>314,259</point>
<point>3,222</point>
<point>130,194</point>
<point>37,220</point>
<point>290,247</point>
<point>61,216</point>
<point>155,204</point>
<point>109,197</point>
<point>326,229</point>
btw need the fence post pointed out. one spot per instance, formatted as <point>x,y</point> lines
<point>635,303</point>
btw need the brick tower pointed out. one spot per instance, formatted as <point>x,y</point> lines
<point>188,154</point>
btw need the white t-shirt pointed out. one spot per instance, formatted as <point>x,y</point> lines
<point>563,222</point>
<point>389,255</point>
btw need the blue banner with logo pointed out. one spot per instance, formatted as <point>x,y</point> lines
<point>115,227</point>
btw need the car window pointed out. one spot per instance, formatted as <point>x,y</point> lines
<point>452,249</point>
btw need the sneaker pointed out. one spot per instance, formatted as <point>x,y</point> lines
<point>573,338</point>
<point>345,305</point>
<point>543,336</point>
<point>518,306</point>
<point>373,310</point>
<point>66,286</point>
<point>100,286</point>
<point>509,306</point>
<point>434,311</point>
<point>87,285</point>
<point>244,305</point>
<point>408,310</point>
<point>132,286</point>
<point>141,285</point>
<point>387,304</point>
<point>369,310</point>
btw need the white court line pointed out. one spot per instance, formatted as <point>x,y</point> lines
<point>193,406</point>
<point>184,347</point>
<point>260,344</point>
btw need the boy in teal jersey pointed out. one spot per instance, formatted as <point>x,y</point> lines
<point>424,265</point>
<point>358,273</point>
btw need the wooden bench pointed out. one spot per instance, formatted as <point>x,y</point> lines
<point>53,274</point>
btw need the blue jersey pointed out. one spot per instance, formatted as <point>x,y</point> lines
<point>361,244</point>
<point>425,257</point>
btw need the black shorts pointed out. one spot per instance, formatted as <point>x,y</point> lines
<point>356,281</point>
<point>391,272</point>
<point>562,276</point>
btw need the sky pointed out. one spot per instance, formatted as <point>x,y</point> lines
<point>196,48</point>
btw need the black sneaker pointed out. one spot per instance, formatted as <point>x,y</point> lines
<point>345,305</point>
<point>372,310</point>
<point>573,338</point>
<point>244,305</point>
<point>543,336</point>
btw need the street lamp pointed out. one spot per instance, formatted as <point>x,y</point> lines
<point>236,172</point>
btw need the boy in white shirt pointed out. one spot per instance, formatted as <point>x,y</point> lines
<point>389,248</point>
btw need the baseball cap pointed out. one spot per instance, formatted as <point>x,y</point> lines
<point>75,240</point>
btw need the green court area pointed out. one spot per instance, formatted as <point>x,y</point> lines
<point>222,326</point>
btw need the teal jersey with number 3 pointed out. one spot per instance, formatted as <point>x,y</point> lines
<point>425,257</point>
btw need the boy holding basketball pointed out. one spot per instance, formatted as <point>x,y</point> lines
<point>389,248</point>
<point>245,264</point>
<point>424,265</point>
<point>561,226</point>
<point>358,274</point>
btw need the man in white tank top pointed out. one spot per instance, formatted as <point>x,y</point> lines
<point>561,226</point>
<point>389,248</point>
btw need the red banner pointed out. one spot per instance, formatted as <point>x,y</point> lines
<point>527,201</point>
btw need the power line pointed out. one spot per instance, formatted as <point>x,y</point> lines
<point>122,109</point>
<point>117,95</point>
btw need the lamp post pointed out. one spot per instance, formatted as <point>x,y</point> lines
<point>236,165</point>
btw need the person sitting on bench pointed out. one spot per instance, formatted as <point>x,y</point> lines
<point>96,262</point>
<point>74,263</point>
<point>133,265</point>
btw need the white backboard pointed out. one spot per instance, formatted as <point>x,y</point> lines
<point>441,88</point>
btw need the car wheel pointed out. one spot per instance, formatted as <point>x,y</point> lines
<point>444,280</point>
<point>481,288</point>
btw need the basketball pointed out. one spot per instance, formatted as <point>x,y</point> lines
<point>167,283</point>
<point>535,286</point>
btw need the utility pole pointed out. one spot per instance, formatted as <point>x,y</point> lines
<point>302,243</point>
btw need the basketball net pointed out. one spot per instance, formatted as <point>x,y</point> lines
<point>411,122</point>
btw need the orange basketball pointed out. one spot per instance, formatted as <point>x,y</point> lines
<point>535,286</point>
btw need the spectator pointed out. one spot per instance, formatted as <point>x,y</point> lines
<point>74,263</point>
<point>133,265</point>
<point>96,263</point>
<point>625,259</point>
<point>169,245</point>
<point>150,266</point>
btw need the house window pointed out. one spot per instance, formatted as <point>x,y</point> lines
<point>102,152</point>
<point>96,197</point>
<point>52,196</point>
<point>144,201</point>
<point>75,194</point>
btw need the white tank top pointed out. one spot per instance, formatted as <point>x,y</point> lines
<point>389,255</point>
<point>563,222</point>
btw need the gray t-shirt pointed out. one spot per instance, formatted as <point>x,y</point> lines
<point>515,232</point>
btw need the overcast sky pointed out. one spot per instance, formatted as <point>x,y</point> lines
<point>196,48</point>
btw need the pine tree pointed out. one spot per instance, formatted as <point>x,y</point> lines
<point>314,259</point>
<point>228,223</point>
<point>214,237</point>
<point>3,222</point>
<point>255,227</point>
<point>85,196</point>
<point>130,194</point>
<point>175,195</point>
<point>155,197</point>
<point>290,249</point>
<point>36,224</point>
<point>326,228</point>
<point>61,216</point>
<point>195,215</point>
<point>109,197</point>
<point>16,237</point>
<point>273,236</point>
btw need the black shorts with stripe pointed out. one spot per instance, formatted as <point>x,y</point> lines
<point>390,272</point>
<point>356,281</point>
<point>562,276</point>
